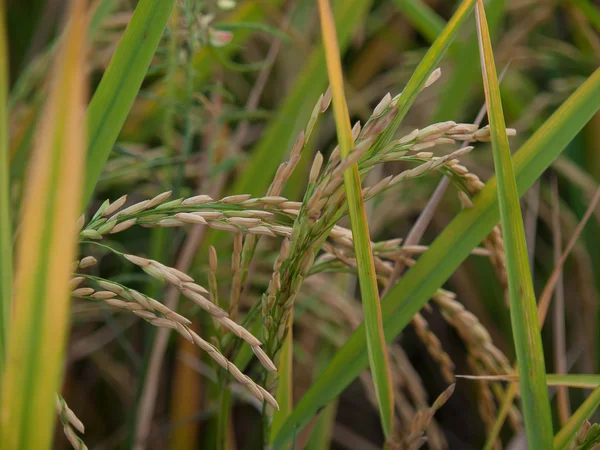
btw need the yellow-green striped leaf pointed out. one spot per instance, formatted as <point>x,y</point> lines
<point>45,252</point>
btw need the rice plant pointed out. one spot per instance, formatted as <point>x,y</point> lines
<point>280,225</point>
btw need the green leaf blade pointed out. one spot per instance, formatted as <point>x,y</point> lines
<point>120,84</point>
<point>523,307</point>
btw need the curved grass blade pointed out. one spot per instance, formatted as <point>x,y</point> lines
<point>568,432</point>
<point>523,307</point>
<point>447,252</point>
<point>45,253</point>
<point>376,346</point>
<point>120,84</point>
<point>5,215</point>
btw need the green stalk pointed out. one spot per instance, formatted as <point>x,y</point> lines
<point>223,416</point>
<point>285,381</point>
<point>523,307</point>
<point>376,346</point>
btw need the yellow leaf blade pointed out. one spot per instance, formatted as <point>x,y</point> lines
<point>45,251</point>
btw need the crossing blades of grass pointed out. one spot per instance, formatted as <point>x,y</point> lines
<point>376,346</point>
<point>523,308</point>
<point>447,252</point>
<point>120,84</point>
<point>5,216</point>
<point>45,252</point>
<point>424,69</point>
<point>567,433</point>
<point>464,82</point>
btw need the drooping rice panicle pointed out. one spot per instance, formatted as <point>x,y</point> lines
<point>157,314</point>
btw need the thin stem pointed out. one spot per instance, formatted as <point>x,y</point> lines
<point>223,416</point>
<point>558,319</point>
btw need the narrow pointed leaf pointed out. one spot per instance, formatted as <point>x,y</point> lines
<point>45,252</point>
<point>376,346</point>
<point>523,307</point>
